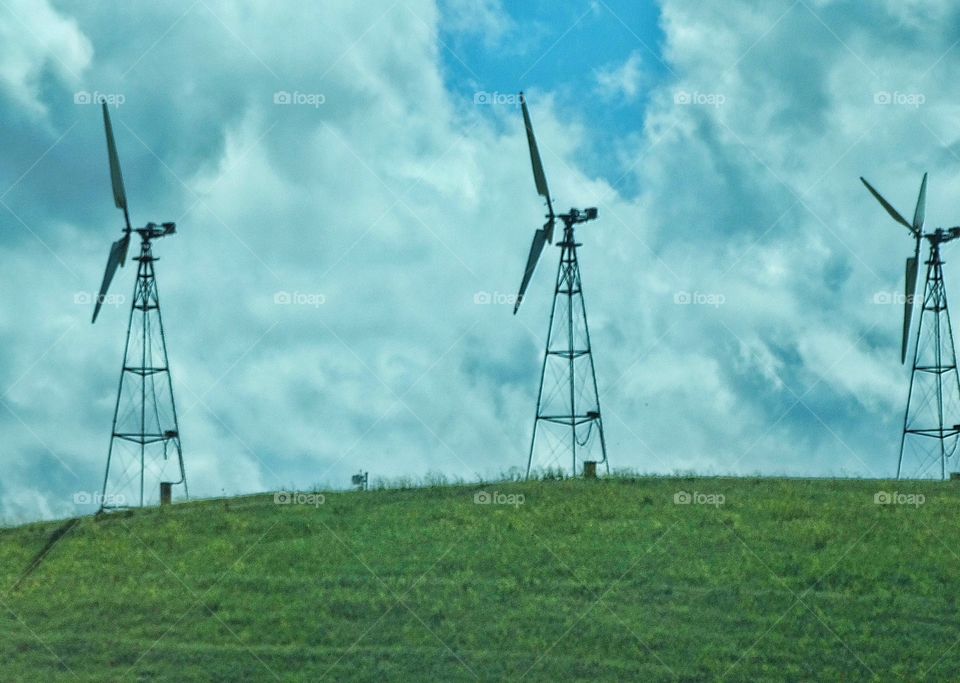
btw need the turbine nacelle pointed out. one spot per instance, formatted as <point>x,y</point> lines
<point>153,231</point>
<point>941,235</point>
<point>576,216</point>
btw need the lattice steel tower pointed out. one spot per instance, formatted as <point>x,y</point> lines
<point>930,422</point>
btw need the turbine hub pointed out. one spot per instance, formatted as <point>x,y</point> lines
<point>575,216</point>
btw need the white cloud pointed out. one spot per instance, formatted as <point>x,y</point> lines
<point>624,80</point>
<point>398,201</point>
<point>391,199</point>
<point>755,195</point>
<point>485,18</point>
<point>36,38</point>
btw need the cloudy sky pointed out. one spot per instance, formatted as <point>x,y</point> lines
<point>721,141</point>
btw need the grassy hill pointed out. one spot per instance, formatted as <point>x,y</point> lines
<point>755,579</point>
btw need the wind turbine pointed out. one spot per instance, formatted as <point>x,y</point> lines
<point>145,416</point>
<point>569,412</point>
<point>930,422</point>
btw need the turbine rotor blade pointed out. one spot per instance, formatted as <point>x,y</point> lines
<point>921,210</point>
<point>117,249</point>
<point>886,205</point>
<point>125,245</point>
<point>539,239</point>
<point>539,176</point>
<point>116,176</point>
<point>548,229</point>
<point>910,288</point>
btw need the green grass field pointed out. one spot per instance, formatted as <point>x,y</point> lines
<point>779,580</point>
